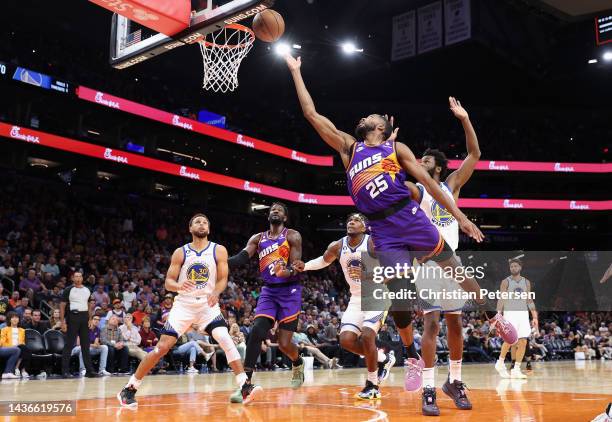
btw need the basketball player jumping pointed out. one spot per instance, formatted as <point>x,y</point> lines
<point>281,296</point>
<point>377,168</point>
<point>517,312</point>
<point>198,272</point>
<point>435,163</point>
<point>358,328</point>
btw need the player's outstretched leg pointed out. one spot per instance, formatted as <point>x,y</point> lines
<point>222,336</point>
<point>127,395</point>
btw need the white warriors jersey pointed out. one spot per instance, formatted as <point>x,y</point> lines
<point>439,216</point>
<point>351,257</point>
<point>201,268</point>
<point>517,286</point>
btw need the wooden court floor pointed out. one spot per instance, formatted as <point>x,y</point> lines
<point>567,391</point>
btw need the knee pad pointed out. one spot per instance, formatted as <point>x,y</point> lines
<point>222,336</point>
<point>261,327</point>
<point>402,319</point>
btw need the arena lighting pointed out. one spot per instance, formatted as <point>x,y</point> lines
<point>282,48</point>
<point>593,61</point>
<point>607,56</point>
<point>30,136</point>
<point>297,46</point>
<point>349,48</point>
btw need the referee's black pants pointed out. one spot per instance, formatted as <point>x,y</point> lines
<point>77,324</point>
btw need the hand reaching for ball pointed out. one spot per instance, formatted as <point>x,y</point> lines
<point>292,63</point>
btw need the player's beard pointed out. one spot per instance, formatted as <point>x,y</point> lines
<point>432,172</point>
<point>275,220</point>
<point>201,235</point>
<point>362,130</point>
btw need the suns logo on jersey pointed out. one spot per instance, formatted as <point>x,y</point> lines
<point>198,273</point>
<point>440,215</point>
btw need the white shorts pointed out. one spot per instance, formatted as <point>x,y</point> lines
<point>431,282</point>
<point>188,310</point>
<point>354,319</point>
<point>520,321</point>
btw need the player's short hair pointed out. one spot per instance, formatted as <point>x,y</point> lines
<point>388,127</point>
<point>283,206</point>
<point>440,158</point>
<point>196,216</point>
<point>515,261</point>
<point>359,215</point>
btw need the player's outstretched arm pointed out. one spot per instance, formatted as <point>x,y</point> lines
<point>222,272</point>
<point>459,177</point>
<point>172,275</point>
<point>330,255</point>
<point>410,164</point>
<point>338,140</point>
<point>243,257</point>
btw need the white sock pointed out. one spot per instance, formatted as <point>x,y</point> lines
<point>373,377</point>
<point>502,361</point>
<point>429,377</point>
<point>381,355</point>
<point>134,382</point>
<point>454,368</point>
<point>241,379</point>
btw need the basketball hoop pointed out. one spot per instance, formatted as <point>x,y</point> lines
<point>222,53</point>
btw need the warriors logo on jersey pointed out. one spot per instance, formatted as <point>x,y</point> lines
<point>354,274</point>
<point>198,273</point>
<point>440,215</point>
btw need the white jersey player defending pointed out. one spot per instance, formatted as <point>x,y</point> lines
<point>198,272</point>
<point>358,328</point>
<point>516,311</point>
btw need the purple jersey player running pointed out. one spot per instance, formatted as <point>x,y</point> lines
<point>281,296</point>
<point>376,168</point>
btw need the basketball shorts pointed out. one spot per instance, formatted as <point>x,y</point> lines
<point>520,321</point>
<point>408,229</point>
<point>437,292</point>
<point>282,304</point>
<point>354,319</point>
<point>189,310</point>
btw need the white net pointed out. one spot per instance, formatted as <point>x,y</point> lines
<point>222,53</point>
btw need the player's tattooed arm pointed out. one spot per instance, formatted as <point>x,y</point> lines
<point>174,270</point>
<point>242,257</point>
<point>338,140</point>
<point>410,164</point>
<point>459,177</point>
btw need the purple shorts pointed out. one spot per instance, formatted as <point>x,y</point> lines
<point>282,304</point>
<point>409,229</point>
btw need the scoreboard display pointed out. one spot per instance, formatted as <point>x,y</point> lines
<point>30,77</point>
<point>603,29</point>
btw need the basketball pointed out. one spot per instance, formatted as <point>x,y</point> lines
<point>268,25</point>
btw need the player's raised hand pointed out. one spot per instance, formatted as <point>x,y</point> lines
<point>457,109</point>
<point>391,120</point>
<point>293,63</point>
<point>471,230</point>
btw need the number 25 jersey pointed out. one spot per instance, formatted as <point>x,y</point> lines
<point>375,179</point>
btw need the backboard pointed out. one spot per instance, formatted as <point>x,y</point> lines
<point>132,43</point>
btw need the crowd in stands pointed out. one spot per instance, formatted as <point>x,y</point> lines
<point>122,246</point>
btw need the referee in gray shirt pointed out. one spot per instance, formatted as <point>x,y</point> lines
<point>75,307</point>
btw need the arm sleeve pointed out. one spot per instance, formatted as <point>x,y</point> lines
<point>241,258</point>
<point>316,264</point>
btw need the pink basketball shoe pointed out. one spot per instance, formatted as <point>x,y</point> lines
<point>414,374</point>
<point>504,329</point>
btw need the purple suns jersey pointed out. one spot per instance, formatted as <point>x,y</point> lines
<point>375,178</point>
<point>271,251</point>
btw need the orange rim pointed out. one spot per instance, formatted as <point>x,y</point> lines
<point>237,27</point>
